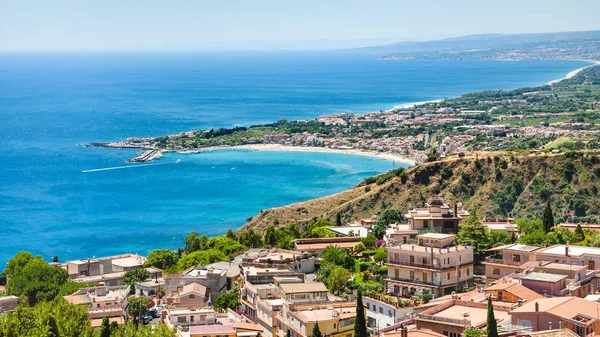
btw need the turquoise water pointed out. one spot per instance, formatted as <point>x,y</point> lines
<point>50,104</point>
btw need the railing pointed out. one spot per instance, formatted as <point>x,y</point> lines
<point>413,264</point>
<point>494,260</point>
<point>415,281</point>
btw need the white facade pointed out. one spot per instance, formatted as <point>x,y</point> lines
<point>380,314</point>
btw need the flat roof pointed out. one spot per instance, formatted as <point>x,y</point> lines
<point>212,329</point>
<point>522,248</point>
<point>477,316</point>
<point>359,231</point>
<point>544,277</point>
<point>127,262</point>
<point>320,315</point>
<point>563,266</point>
<point>435,236</point>
<point>573,250</point>
<point>291,288</point>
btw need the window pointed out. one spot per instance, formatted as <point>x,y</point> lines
<point>460,258</point>
<point>517,258</point>
<point>496,271</point>
<point>467,271</point>
<point>181,319</point>
<point>381,310</point>
<point>334,325</point>
<point>524,322</point>
<point>389,313</point>
<point>459,273</point>
<point>448,276</point>
<point>192,296</point>
<point>191,319</point>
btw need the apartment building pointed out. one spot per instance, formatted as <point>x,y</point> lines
<point>103,265</point>
<point>293,259</point>
<point>508,259</point>
<point>573,313</point>
<point>216,280</point>
<point>438,216</point>
<point>452,318</point>
<point>381,314</point>
<point>290,304</point>
<point>102,301</point>
<point>433,264</point>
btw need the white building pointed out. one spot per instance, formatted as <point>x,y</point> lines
<point>380,314</point>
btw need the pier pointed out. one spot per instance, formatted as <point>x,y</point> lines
<point>147,156</point>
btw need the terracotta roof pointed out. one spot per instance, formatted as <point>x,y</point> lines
<point>193,287</point>
<point>516,289</point>
<point>567,307</point>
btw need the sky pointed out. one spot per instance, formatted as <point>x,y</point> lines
<point>273,24</point>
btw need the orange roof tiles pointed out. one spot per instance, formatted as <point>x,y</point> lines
<point>516,289</point>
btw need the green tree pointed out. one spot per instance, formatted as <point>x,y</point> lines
<point>161,259</point>
<point>473,332</point>
<point>370,241</point>
<point>492,325</point>
<point>360,247</point>
<point>229,300</point>
<point>250,238</point>
<point>380,256</point>
<point>34,279</point>
<point>548,218</point>
<point>338,219</point>
<point>316,332</point>
<point>55,259</point>
<point>134,276</point>
<point>360,324</point>
<point>231,234</point>
<point>105,327</point>
<point>474,232</point>
<point>201,257</point>
<point>137,304</point>
<point>432,155</point>
<point>224,244</point>
<point>270,238</point>
<point>389,215</point>
<point>288,333</point>
<point>337,279</point>
<point>189,241</point>
<point>54,318</point>
<point>578,235</point>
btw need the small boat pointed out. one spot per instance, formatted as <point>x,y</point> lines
<point>233,168</point>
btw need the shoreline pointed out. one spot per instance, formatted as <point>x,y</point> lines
<point>277,147</point>
<point>572,73</point>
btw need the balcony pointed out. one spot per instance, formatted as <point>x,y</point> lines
<point>413,264</point>
<point>413,281</point>
<point>425,265</point>
<point>494,260</point>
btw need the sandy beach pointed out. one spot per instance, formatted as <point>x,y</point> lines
<point>278,147</point>
<point>413,104</point>
<point>574,72</point>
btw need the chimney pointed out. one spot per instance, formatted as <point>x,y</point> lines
<point>537,306</point>
<point>404,332</point>
<point>567,249</point>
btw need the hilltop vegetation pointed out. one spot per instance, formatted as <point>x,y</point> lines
<point>498,185</point>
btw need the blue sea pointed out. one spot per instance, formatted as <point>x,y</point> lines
<point>53,103</point>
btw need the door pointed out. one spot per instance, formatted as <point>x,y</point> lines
<point>397,273</point>
<point>424,277</point>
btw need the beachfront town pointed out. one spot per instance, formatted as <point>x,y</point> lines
<point>415,281</point>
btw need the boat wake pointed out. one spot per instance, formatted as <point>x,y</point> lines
<point>124,167</point>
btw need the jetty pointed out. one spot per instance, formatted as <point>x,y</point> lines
<point>147,156</point>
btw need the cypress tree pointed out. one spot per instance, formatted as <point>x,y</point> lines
<point>548,218</point>
<point>316,331</point>
<point>579,235</point>
<point>492,325</point>
<point>105,327</point>
<point>338,220</point>
<point>360,323</point>
<point>288,333</point>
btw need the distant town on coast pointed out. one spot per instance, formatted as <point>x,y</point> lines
<point>461,213</point>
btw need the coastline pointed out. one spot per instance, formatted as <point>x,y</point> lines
<point>277,147</point>
<point>572,73</point>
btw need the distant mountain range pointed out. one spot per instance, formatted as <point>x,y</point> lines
<point>565,45</point>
